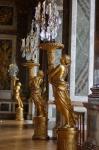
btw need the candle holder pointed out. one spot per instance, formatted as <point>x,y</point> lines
<point>48,19</point>
<point>51,47</point>
<point>67,134</point>
<point>29,47</point>
<point>30,65</point>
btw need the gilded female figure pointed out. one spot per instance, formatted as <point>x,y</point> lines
<point>57,77</point>
<point>36,93</point>
<point>18,95</point>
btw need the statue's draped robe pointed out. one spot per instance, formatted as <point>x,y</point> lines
<point>36,95</point>
<point>62,100</point>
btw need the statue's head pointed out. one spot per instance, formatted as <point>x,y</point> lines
<point>65,59</point>
<point>19,83</point>
<point>40,73</point>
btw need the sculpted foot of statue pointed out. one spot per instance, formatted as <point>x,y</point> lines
<point>71,123</point>
<point>42,113</point>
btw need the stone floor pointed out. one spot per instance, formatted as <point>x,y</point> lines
<point>15,135</point>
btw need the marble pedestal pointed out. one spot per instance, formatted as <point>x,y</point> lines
<point>92,123</point>
<point>93,117</point>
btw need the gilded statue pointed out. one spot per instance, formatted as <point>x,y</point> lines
<point>36,93</point>
<point>18,94</point>
<point>57,77</point>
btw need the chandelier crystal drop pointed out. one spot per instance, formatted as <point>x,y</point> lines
<point>47,17</point>
<point>29,45</point>
<point>44,27</point>
<point>13,70</point>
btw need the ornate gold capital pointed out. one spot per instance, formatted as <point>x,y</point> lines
<point>51,46</point>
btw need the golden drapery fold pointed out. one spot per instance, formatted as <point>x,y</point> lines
<point>57,77</point>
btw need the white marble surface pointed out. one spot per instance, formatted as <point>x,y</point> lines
<point>73,47</point>
<point>92,122</point>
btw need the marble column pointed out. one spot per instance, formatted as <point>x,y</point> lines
<point>93,118</point>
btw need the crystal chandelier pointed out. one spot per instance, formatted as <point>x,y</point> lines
<point>48,19</point>
<point>13,70</point>
<point>44,27</point>
<point>29,45</point>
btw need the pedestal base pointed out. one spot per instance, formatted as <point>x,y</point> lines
<point>90,144</point>
<point>40,128</point>
<point>67,139</point>
<point>92,121</point>
<point>19,114</point>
